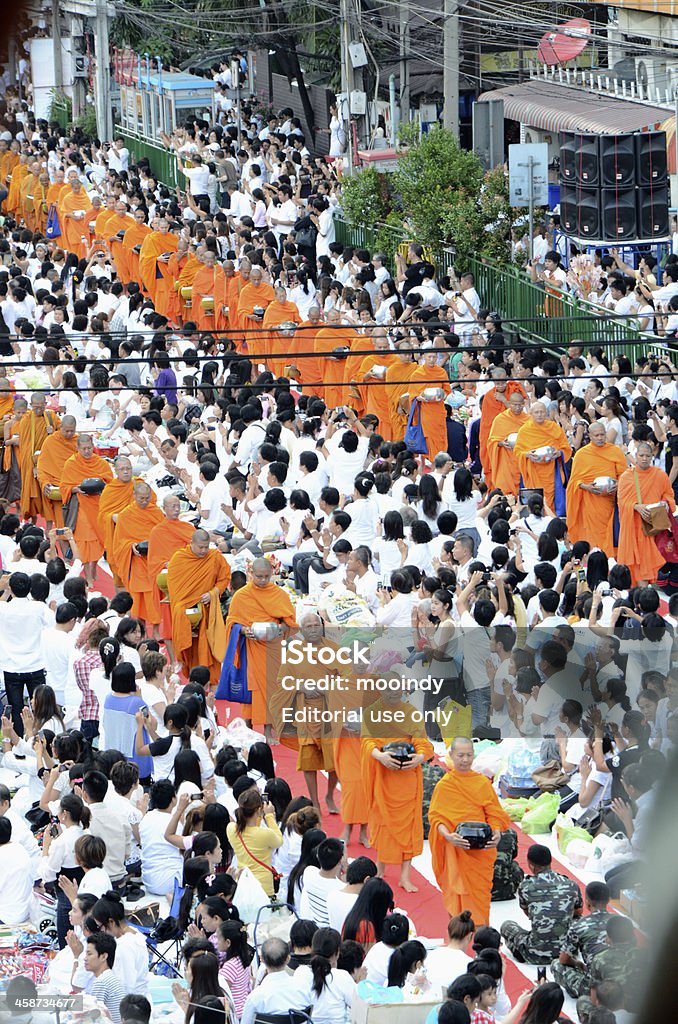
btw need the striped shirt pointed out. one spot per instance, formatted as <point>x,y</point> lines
<point>239,980</point>
<point>314,893</point>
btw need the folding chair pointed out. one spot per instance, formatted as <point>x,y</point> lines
<point>170,955</point>
<point>291,1017</point>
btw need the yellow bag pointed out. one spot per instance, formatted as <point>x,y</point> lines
<point>455,720</point>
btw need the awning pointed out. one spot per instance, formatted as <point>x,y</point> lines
<point>559,108</point>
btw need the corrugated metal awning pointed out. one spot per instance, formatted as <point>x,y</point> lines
<point>558,108</point>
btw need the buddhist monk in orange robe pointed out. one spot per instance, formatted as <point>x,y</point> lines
<point>29,189</point>
<point>225,284</point>
<point>55,188</point>
<point>89,537</point>
<point>398,377</point>
<point>33,430</point>
<point>114,227</point>
<point>433,414</point>
<point>10,474</point>
<point>537,433</point>
<point>333,371</point>
<point>56,449</point>
<point>394,791</point>
<point>72,209</point>
<point>197,576</point>
<point>504,468</point>
<point>464,875</point>
<point>280,311</point>
<point>637,550</point>
<point>374,380</point>
<point>7,394</point>
<point>19,172</point>
<point>134,525</point>
<point>256,293</point>
<point>9,158</point>
<point>156,250</point>
<point>165,540</point>
<point>134,238</point>
<point>494,401</point>
<point>590,511</point>
<point>185,279</point>
<point>206,285</point>
<point>309,367</point>
<point>117,495</point>
<point>260,600</point>
<point>175,265</point>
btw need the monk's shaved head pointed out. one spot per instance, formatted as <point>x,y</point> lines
<point>171,506</point>
<point>517,402</point>
<point>598,434</point>
<point>68,427</point>
<point>38,403</point>
<point>538,412</point>
<point>261,572</point>
<point>142,494</point>
<point>200,543</point>
<point>461,753</point>
<point>86,446</point>
<point>123,469</point>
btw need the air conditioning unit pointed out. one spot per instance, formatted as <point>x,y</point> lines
<point>80,66</point>
<point>651,79</point>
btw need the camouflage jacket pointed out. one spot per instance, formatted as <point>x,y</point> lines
<point>586,936</point>
<point>549,900</point>
<point>625,963</point>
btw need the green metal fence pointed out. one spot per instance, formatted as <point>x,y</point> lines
<point>525,307</point>
<point>163,163</point>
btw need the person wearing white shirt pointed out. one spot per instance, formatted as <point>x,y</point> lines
<point>351,451</point>
<point>22,660</point>
<point>118,156</point>
<point>131,952</point>
<point>319,882</point>
<point>21,833</point>
<point>250,441</point>
<point>278,992</point>
<point>284,216</point>
<point>214,494</point>
<point>16,878</point>
<point>333,1004</point>
<point>198,176</point>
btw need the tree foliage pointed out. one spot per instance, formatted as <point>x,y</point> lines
<point>363,198</point>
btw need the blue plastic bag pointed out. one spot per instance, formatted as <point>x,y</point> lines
<point>414,434</point>
<point>53,228</point>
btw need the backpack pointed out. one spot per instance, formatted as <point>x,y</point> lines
<point>507,873</point>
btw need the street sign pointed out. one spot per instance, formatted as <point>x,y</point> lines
<point>528,174</point>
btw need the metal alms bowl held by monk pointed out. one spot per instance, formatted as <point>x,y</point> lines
<point>545,454</point>
<point>265,630</point>
<point>53,492</point>
<point>92,485</point>
<point>399,751</point>
<point>194,615</point>
<point>287,329</point>
<point>606,484</point>
<point>142,548</point>
<point>432,395</point>
<point>478,833</point>
<point>511,440</point>
<point>161,580</point>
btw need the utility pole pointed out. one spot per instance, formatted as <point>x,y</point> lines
<point>451,65</point>
<point>56,37</point>
<point>347,77</point>
<point>404,36</point>
<point>102,76</point>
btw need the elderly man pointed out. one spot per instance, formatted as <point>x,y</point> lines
<point>33,431</point>
<point>280,311</point>
<point>207,286</point>
<point>537,470</point>
<point>464,875</point>
<point>197,577</point>
<point>255,295</point>
<point>279,993</point>
<point>116,497</point>
<point>56,449</point>
<point>590,509</point>
<point>638,488</point>
<point>132,241</point>
<point>259,601</point>
<point>504,469</point>
<point>398,377</point>
<point>494,402</point>
<point>371,373</point>
<point>134,527</point>
<point>164,540</point>
<point>85,465</point>
<point>72,209</point>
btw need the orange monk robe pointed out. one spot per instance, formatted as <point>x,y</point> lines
<point>491,407</point>
<point>113,224</point>
<point>355,395</point>
<point>250,296</point>
<point>7,398</point>
<point>28,189</point>
<point>398,371</point>
<point>164,540</point>
<point>40,207</point>
<point>134,236</point>
<point>636,550</point>
<point>540,474</point>
<point>348,766</point>
<point>174,266</point>
<point>206,284</point>
<point>115,498</point>
<point>433,414</point>
<point>73,230</point>
<point>333,371</point>
<point>88,534</point>
<point>188,578</point>
<point>134,525</point>
<point>502,462</point>
<point>100,221</point>
<point>53,192</point>
<point>13,201</point>
<point>374,393</point>
<point>261,604</point>
<point>310,374</point>
<point>591,516</point>
<point>279,313</point>
<point>185,279</point>
<point>464,876</point>
<point>154,273</point>
<point>394,798</point>
<point>56,449</point>
<point>7,165</point>
<point>32,435</point>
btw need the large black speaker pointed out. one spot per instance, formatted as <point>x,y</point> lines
<point>579,159</point>
<point>618,214</point>
<point>617,160</point>
<point>652,210</point>
<point>651,166</point>
<point>580,211</point>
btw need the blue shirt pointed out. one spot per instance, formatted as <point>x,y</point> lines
<point>120,728</point>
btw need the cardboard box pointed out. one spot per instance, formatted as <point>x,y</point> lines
<point>392,1013</point>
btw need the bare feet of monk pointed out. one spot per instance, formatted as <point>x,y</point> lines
<point>331,806</point>
<point>407,886</point>
<point>363,838</point>
<point>345,836</point>
<point>405,882</point>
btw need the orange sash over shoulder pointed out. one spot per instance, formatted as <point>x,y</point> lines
<point>88,534</point>
<point>503,465</point>
<point>636,550</point>
<point>591,516</point>
<point>134,525</point>
<point>540,474</point>
<point>56,449</point>
<point>164,540</point>
<point>32,435</point>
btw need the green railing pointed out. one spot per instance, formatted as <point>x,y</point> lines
<point>525,308</point>
<point>163,163</point>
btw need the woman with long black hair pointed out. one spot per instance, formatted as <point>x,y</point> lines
<point>329,991</point>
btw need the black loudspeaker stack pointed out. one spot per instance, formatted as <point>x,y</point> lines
<point>614,188</point>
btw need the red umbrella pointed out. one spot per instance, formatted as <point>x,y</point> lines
<point>565,43</point>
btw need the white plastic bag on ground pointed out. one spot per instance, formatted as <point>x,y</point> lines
<point>249,896</point>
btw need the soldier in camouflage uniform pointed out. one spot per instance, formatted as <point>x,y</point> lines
<point>550,901</point>
<point>586,937</point>
<point>622,961</point>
